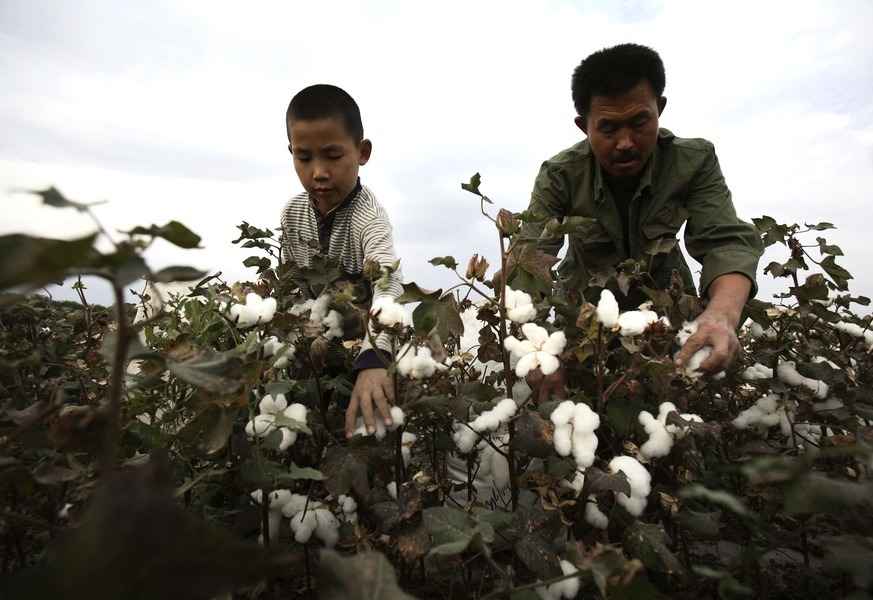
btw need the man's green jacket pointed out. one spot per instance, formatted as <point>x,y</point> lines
<point>680,184</point>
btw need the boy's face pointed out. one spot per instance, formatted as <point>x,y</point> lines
<point>326,159</point>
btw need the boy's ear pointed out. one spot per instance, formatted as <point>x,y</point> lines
<point>366,148</point>
<point>289,149</point>
<point>662,102</point>
<point>582,123</point>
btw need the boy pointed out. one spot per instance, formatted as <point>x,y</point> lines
<point>326,141</point>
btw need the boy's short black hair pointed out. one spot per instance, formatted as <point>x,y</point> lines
<point>614,71</point>
<point>322,101</point>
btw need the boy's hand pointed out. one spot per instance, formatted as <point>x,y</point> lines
<point>373,386</point>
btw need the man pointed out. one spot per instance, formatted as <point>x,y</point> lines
<point>641,183</point>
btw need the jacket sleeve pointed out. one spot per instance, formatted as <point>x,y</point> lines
<point>714,235</point>
<point>549,199</point>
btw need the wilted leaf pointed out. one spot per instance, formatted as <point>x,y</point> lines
<point>533,435</point>
<point>364,576</point>
<point>536,263</point>
<point>208,370</point>
<point>48,474</point>
<point>452,530</point>
<point>597,481</point>
<point>838,274</point>
<point>539,555</point>
<point>705,525</point>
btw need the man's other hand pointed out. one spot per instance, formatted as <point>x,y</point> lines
<point>373,387</point>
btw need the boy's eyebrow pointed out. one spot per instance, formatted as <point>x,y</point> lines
<point>331,147</point>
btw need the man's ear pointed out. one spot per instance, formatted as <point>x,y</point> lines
<point>366,149</point>
<point>582,123</point>
<point>289,149</point>
<point>662,102</point>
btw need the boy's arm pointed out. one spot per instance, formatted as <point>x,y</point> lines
<point>373,386</point>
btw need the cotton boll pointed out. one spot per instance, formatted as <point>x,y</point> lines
<point>407,440</point>
<point>768,403</point>
<point>562,439</point>
<point>519,306</point>
<point>389,312</point>
<point>585,419</point>
<point>660,442</point>
<point>787,373</point>
<point>639,480</point>
<point>392,489</point>
<point>288,438</point>
<point>297,503</point>
<point>563,412</point>
<point>506,409</point>
<point>261,426</point>
<point>568,588</point>
<point>584,447</point>
<point>327,527</point>
<point>398,418</point>
<point>545,593</point>
<point>607,309</point>
<point>635,322</point>
<point>594,516</point>
<point>333,324</point>
<point>555,344</point>
<point>296,412</point>
<point>271,405</point>
<point>692,369</point>
<point>757,372</point>
<point>348,504</point>
<point>465,438</point>
<point>689,328</point>
<point>548,363</point>
<point>303,524</point>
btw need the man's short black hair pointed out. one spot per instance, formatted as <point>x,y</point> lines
<point>614,71</point>
<point>322,101</point>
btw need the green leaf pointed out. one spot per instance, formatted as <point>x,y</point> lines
<point>345,469</point>
<point>824,248</point>
<point>824,225</point>
<point>170,274</point>
<point>266,473</point>
<point>728,586</point>
<point>364,576</point>
<point>539,555</point>
<point>173,231</point>
<point>413,293</point>
<point>209,371</point>
<point>305,473</point>
<point>53,197</point>
<point>815,493</point>
<point>473,186</point>
<point>721,498</point>
<point>838,274</point>
<point>648,542</point>
<point>448,262</point>
<point>453,530</point>
<point>292,424</point>
<point>35,261</point>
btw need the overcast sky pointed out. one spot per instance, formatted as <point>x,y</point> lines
<point>175,110</point>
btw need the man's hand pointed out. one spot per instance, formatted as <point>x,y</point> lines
<point>546,386</point>
<point>716,331</point>
<point>716,327</point>
<point>373,386</point>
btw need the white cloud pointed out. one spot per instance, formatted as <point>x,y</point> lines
<point>176,110</point>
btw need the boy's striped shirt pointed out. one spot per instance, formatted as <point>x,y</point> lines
<point>356,230</point>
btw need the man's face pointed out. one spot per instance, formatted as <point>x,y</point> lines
<point>326,159</point>
<point>623,129</point>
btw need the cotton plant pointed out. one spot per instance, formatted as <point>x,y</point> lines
<point>539,349</point>
<point>593,515</point>
<point>662,435</point>
<point>630,323</point>
<point>564,589</point>
<point>398,418</point>
<point>757,331</point>
<point>787,373</point>
<point>491,474</point>
<point>417,362</point>
<point>640,481</point>
<point>467,436</point>
<point>469,341</point>
<point>255,311</point>
<point>607,309</point>
<point>575,424</point>
<point>281,352</point>
<point>519,306</point>
<point>270,408</point>
<point>765,413</point>
<point>321,316</point>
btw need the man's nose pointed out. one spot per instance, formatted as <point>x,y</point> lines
<point>625,141</point>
